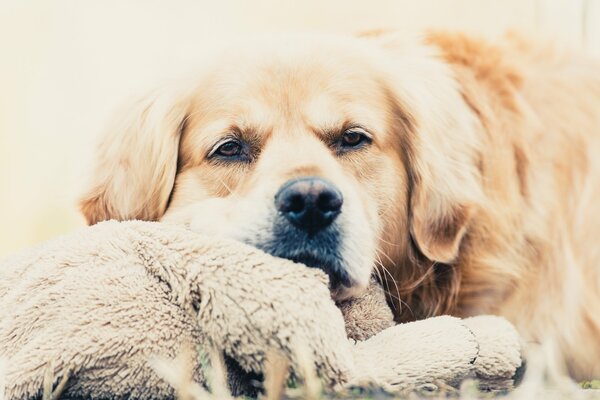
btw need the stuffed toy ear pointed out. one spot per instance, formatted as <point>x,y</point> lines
<point>440,146</point>
<point>137,161</point>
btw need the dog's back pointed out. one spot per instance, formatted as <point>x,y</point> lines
<point>541,111</point>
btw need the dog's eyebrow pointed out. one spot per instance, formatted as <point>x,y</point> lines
<point>241,130</point>
<point>333,131</point>
<point>215,128</point>
<point>250,133</point>
<point>329,133</point>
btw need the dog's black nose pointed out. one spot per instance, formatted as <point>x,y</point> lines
<point>309,203</point>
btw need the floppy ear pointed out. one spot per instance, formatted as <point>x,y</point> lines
<point>439,216</point>
<point>137,161</point>
<point>440,148</point>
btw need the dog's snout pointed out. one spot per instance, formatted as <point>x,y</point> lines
<point>310,203</point>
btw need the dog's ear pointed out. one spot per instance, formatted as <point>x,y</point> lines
<point>445,184</point>
<point>439,217</point>
<point>136,161</point>
<point>440,147</point>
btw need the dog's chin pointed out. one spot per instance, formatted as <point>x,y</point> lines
<point>341,284</point>
<point>338,277</point>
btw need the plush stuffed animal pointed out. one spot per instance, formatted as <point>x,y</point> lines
<point>94,308</point>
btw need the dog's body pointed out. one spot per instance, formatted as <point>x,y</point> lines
<point>464,170</point>
<point>534,256</point>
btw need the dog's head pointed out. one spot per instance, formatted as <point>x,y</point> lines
<point>339,153</point>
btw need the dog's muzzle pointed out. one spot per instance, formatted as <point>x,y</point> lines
<point>305,228</point>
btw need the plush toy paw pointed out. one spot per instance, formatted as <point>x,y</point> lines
<point>440,350</point>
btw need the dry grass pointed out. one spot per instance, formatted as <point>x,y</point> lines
<point>48,392</point>
<point>2,381</point>
<point>540,382</point>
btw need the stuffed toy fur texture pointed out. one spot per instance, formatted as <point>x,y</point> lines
<point>100,304</point>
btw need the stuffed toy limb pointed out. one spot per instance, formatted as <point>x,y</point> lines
<point>98,305</point>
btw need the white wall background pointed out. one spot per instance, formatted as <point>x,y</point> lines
<point>66,64</point>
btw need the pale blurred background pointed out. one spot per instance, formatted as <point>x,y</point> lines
<point>65,66</point>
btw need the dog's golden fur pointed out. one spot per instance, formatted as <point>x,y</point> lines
<point>480,191</point>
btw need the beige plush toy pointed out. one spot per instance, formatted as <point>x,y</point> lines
<point>99,305</point>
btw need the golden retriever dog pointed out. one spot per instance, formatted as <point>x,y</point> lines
<point>465,173</point>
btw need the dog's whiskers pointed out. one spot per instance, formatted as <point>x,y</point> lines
<point>390,243</point>
<point>385,281</point>
<point>225,185</point>
<point>387,273</point>
<point>388,257</point>
<point>395,297</point>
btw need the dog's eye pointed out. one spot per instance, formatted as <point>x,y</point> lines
<point>230,148</point>
<point>354,137</point>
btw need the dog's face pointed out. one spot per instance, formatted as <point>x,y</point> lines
<point>307,149</point>
<point>296,157</point>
